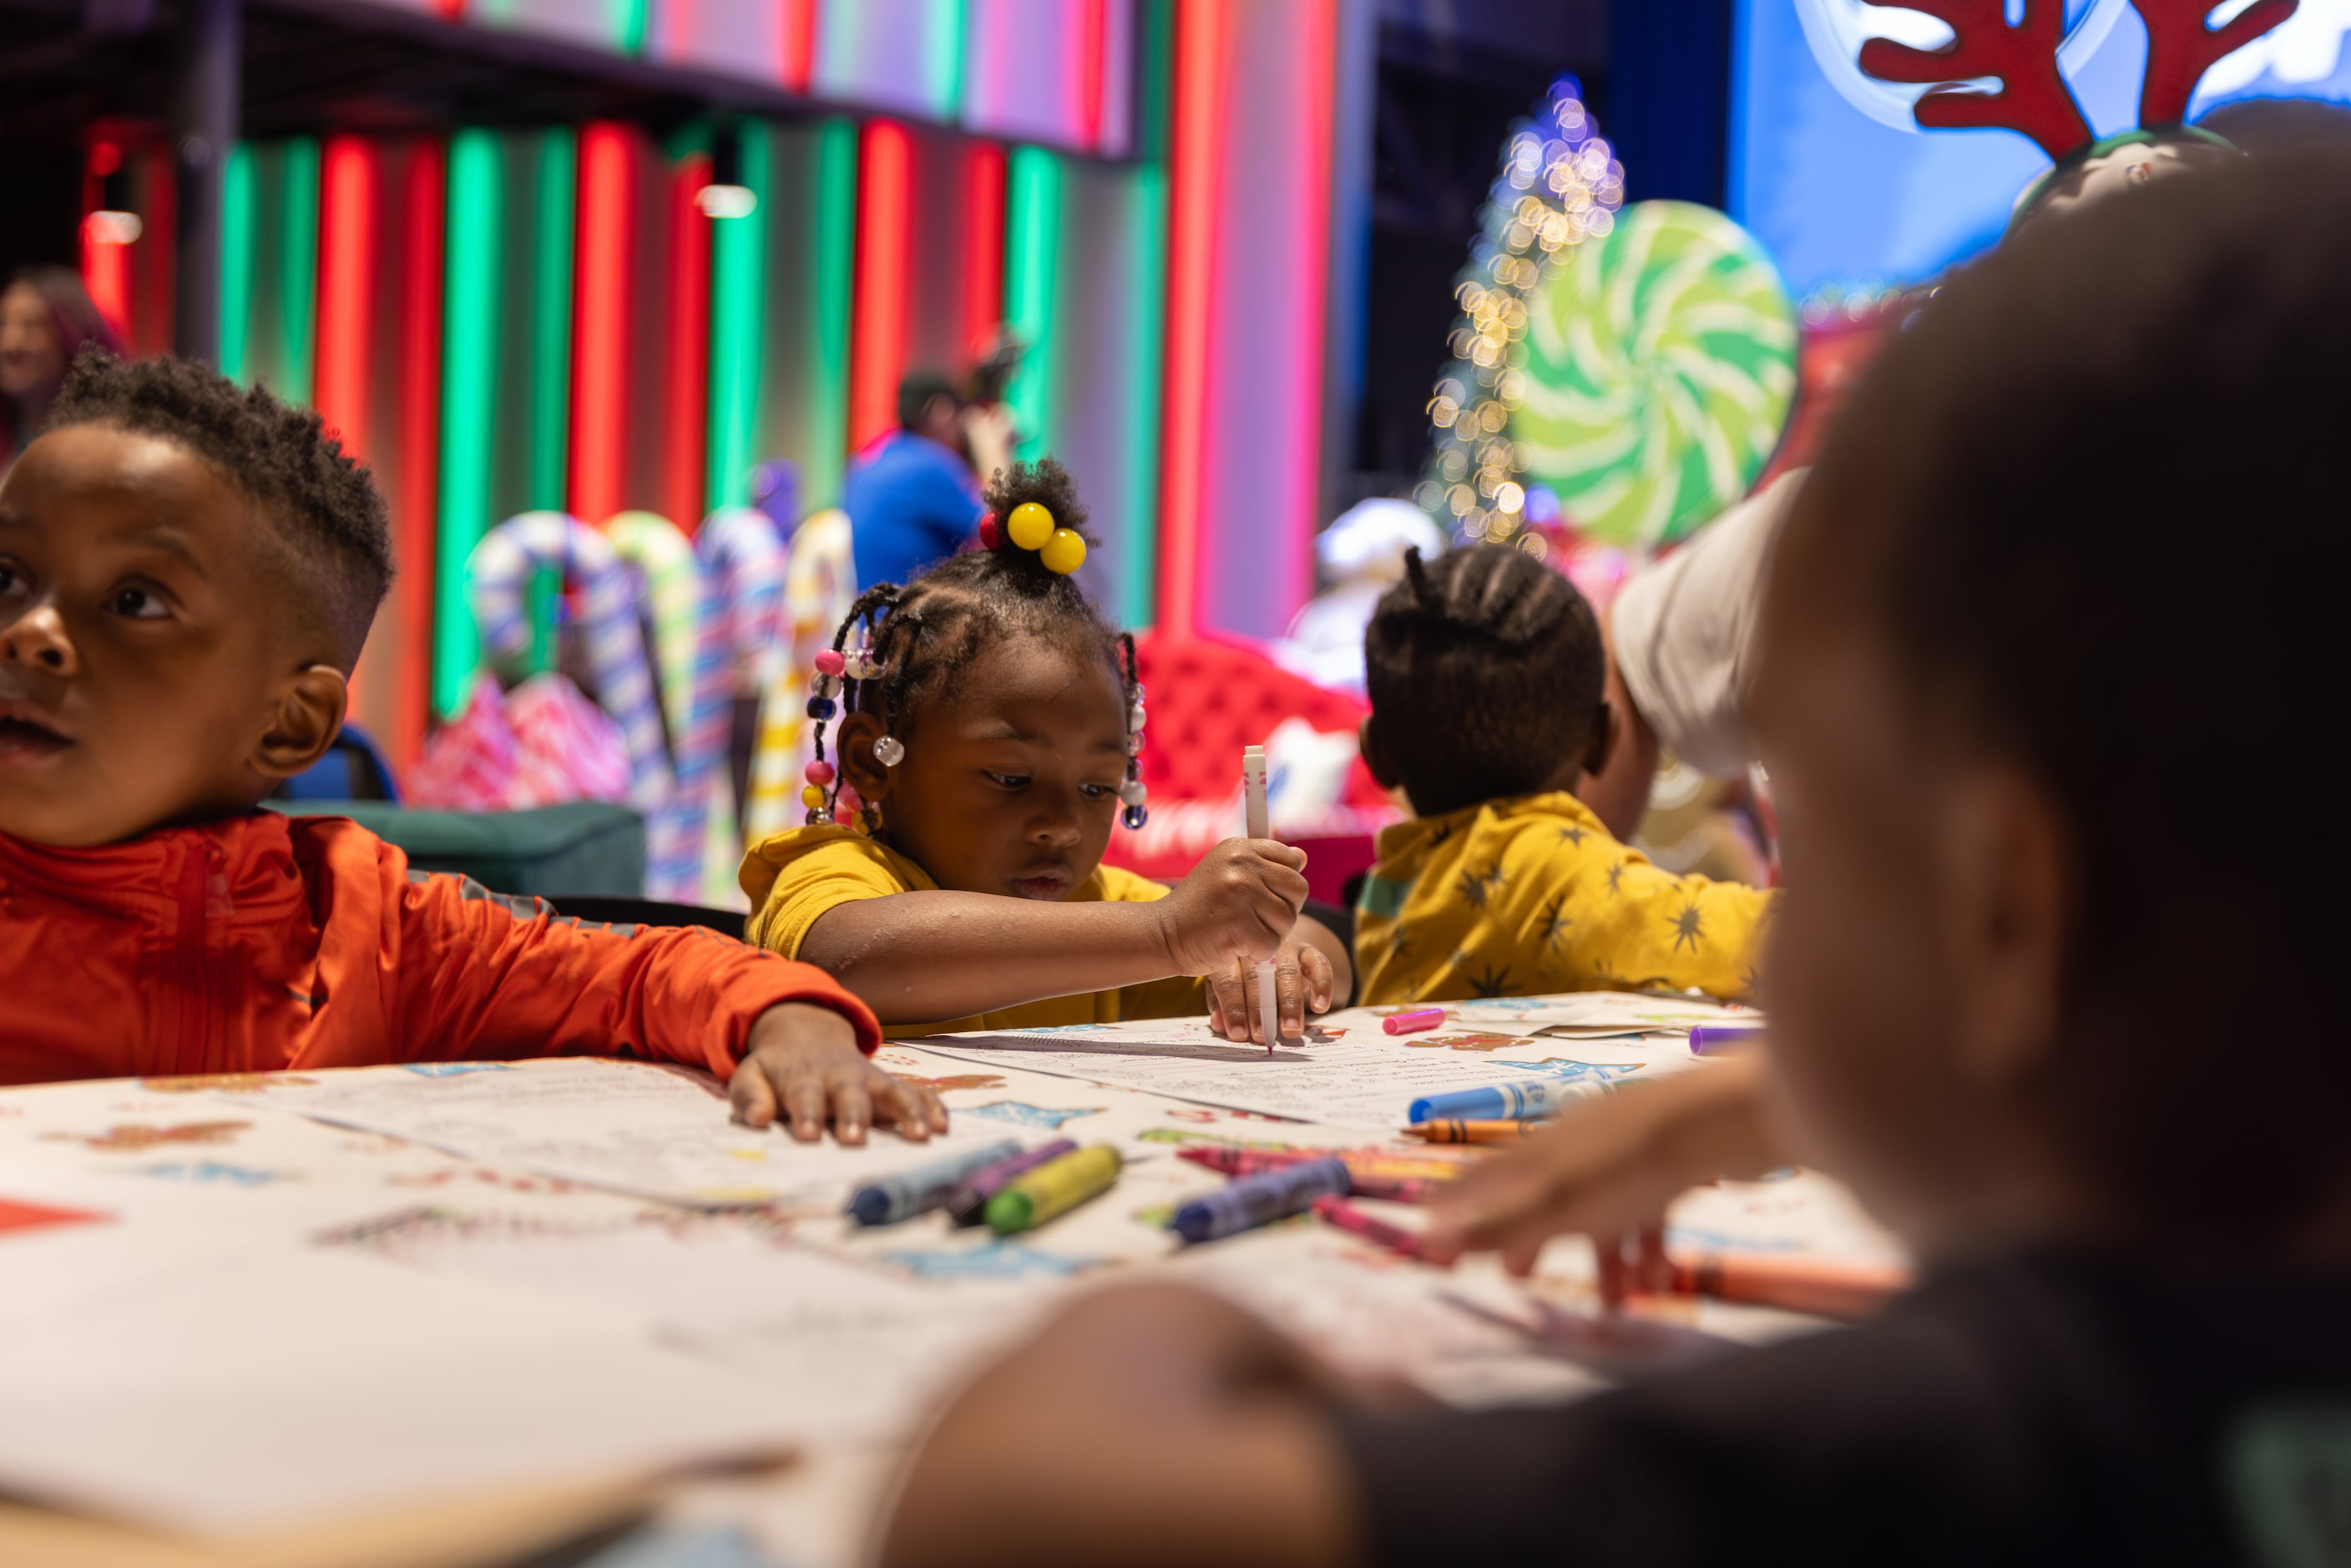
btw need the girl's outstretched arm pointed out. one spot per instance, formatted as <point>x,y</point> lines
<point>915,956</point>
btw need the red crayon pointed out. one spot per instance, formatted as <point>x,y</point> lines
<point>1345,1216</point>
<point>1394,1188</point>
<point>1827,1289</point>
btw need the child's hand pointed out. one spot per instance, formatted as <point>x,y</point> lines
<point>1302,977</point>
<point>1237,907</point>
<point>803,1063</point>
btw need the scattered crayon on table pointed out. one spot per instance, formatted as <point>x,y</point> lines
<point>1260,1199</point>
<point>1053,1188</point>
<point>1346,1217</point>
<point>1393,1189</point>
<point>969,1205</point>
<point>1541,1098</point>
<point>1820,1287</point>
<point>1708,1037</point>
<point>1398,1164</point>
<point>1412,1022</point>
<point>909,1193</point>
<point>1454,1130</point>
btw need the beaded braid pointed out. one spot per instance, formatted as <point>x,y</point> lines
<point>1132,792</point>
<point>828,796</point>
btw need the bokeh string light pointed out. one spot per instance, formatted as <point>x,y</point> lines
<point>1560,185</point>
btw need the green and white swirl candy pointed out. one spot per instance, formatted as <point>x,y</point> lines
<point>1660,362</point>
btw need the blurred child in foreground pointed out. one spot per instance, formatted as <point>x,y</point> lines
<point>2007,1007</point>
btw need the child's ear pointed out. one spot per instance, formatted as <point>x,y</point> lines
<point>308,717</point>
<point>1376,759</point>
<point>1604,726</point>
<point>853,755</point>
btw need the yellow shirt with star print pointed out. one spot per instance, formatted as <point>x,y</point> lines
<point>796,875</point>
<point>1522,896</point>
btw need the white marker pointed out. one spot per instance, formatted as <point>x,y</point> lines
<point>1253,803</point>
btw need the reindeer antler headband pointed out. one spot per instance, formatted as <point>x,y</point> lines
<point>2032,97</point>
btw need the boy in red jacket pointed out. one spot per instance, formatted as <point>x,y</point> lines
<point>187,572</point>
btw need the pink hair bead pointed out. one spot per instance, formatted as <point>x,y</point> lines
<point>849,798</point>
<point>843,815</point>
<point>818,773</point>
<point>829,661</point>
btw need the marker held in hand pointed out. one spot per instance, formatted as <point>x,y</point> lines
<point>1253,802</point>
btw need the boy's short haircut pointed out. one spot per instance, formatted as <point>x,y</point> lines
<point>329,515</point>
<point>917,391</point>
<point>1485,670</point>
<point>2095,500</point>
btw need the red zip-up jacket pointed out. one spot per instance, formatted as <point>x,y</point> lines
<point>266,941</point>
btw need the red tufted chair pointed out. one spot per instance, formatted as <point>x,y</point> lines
<point>1210,695</point>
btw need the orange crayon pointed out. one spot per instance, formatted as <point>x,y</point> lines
<point>1460,1132</point>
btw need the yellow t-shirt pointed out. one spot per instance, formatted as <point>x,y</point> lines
<point>1522,896</point>
<point>801,873</point>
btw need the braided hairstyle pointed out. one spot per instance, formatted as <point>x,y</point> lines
<point>921,638</point>
<point>1485,670</point>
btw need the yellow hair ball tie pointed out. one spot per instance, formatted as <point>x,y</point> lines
<point>1064,552</point>
<point>812,798</point>
<point>1029,526</point>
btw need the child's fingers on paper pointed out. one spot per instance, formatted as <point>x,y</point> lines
<point>804,1100</point>
<point>1321,979</point>
<point>912,1109</point>
<point>852,1107</point>
<point>1231,985</point>
<point>752,1097</point>
<point>1290,995</point>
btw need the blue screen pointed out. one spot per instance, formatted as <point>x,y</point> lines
<point>1830,173</point>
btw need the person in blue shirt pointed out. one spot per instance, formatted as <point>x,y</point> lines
<point>912,498</point>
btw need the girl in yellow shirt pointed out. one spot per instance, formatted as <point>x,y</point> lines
<point>988,731</point>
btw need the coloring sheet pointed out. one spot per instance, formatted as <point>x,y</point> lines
<point>621,1125</point>
<point>1348,1073</point>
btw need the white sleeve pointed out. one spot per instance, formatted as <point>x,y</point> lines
<point>1684,630</point>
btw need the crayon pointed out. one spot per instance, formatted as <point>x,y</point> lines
<point>1053,1189</point>
<point>1457,1131</point>
<point>1539,1098</point>
<point>1708,1037</point>
<point>1346,1217</point>
<point>909,1193</point>
<point>1823,1288</point>
<point>969,1204</point>
<point>1412,1022</point>
<point>1253,812</point>
<point>1394,1188</point>
<point>1361,1163</point>
<point>1260,1199</point>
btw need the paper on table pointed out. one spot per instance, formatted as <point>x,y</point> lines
<point>618,1124</point>
<point>282,1386</point>
<point>1359,1079</point>
<point>1595,1013</point>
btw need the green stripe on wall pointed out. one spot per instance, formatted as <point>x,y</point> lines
<point>469,369</point>
<point>1155,86</point>
<point>550,306</point>
<point>1032,244</point>
<point>738,263</point>
<point>297,268</point>
<point>833,231</point>
<point>236,262</point>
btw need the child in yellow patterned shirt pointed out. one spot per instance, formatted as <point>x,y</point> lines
<point>1485,670</point>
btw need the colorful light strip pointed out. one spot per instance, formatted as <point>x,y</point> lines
<point>884,223</point>
<point>1031,281</point>
<point>797,21</point>
<point>983,253</point>
<point>347,249</point>
<point>686,403</point>
<point>298,268</point>
<point>1309,307</point>
<point>737,293</point>
<point>468,404</point>
<point>943,58</point>
<point>833,218</point>
<point>1139,576</point>
<point>236,262</point>
<point>600,378</point>
<point>1086,73</point>
<point>424,219</point>
<point>550,336</point>
<point>1203,29</point>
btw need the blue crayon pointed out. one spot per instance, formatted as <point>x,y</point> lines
<point>1708,1037</point>
<point>908,1193</point>
<point>1502,1103</point>
<point>1258,1199</point>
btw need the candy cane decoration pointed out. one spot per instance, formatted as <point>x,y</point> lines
<point>693,689</point>
<point>743,557</point>
<point>820,584</point>
<point>497,579</point>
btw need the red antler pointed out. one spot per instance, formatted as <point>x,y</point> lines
<point>2180,48</point>
<point>2032,97</point>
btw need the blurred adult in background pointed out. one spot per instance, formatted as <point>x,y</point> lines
<point>1362,557</point>
<point>46,317</point>
<point>911,496</point>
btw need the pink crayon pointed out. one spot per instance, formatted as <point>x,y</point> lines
<point>1395,1239</point>
<point>1414,1022</point>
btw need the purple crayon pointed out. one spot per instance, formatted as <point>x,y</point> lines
<point>1708,1037</point>
<point>1260,1199</point>
<point>970,1202</point>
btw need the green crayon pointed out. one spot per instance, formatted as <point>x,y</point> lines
<point>1053,1188</point>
